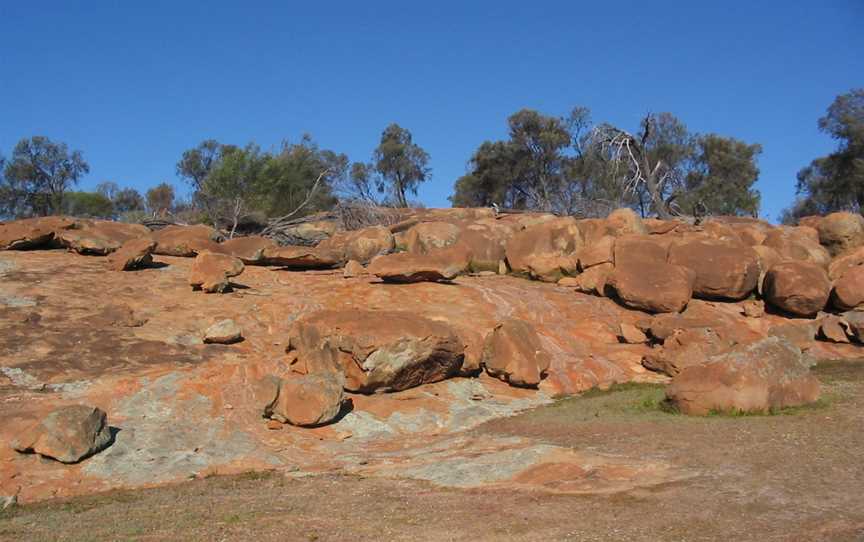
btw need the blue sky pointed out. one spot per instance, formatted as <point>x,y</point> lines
<point>133,84</point>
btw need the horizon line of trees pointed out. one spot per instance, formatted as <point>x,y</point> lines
<point>562,164</point>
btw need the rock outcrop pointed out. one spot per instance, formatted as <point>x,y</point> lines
<point>306,400</point>
<point>211,271</point>
<point>375,351</point>
<point>69,434</point>
<point>721,270</point>
<point>545,251</point>
<point>133,254</point>
<point>513,352</point>
<point>764,376</point>
<point>652,286</point>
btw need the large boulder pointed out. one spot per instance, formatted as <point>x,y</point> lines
<point>597,253</point>
<point>308,233</point>
<point>249,250</point>
<point>31,233</point>
<point>186,241</point>
<point>799,243</point>
<point>307,400</point>
<point>841,264</point>
<point>301,257</point>
<point>591,281</point>
<point>855,321</point>
<point>684,348</point>
<point>635,250</point>
<point>427,236</point>
<point>799,288</point>
<point>546,251</point>
<point>840,232</point>
<point>68,434</point>
<point>625,220</point>
<point>132,254</point>
<point>652,286</point>
<point>848,293</point>
<point>486,245</point>
<point>363,245</point>
<point>759,377</point>
<point>211,271</point>
<point>512,351</point>
<point>376,351</point>
<point>721,270</point>
<point>440,265</point>
<point>100,237</point>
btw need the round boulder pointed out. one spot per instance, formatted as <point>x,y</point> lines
<point>799,288</point>
<point>721,270</point>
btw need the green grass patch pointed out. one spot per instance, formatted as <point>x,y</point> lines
<point>618,401</point>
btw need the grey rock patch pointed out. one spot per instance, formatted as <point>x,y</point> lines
<point>163,438</point>
<point>14,301</point>
<point>21,379</point>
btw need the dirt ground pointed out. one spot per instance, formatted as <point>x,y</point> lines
<point>796,475</point>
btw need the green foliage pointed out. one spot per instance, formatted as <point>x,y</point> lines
<point>88,204</point>
<point>835,182</point>
<point>722,177</point>
<point>37,176</point>
<point>127,200</point>
<point>400,163</point>
<point>160,199</point>
<point>567,166</point>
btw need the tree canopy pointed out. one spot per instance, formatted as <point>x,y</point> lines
<point>566,165</point>
<point>398,167</point>
<point>835,182</point>
<point>38,175</point>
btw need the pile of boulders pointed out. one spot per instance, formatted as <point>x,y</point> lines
<point>811,271</point>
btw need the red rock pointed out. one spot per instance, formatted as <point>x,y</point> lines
<point>799,288</point>
<point>835,329</point>
<point>441,265</point>
<point>840,232</point>
<point>211,271</point>
<point>797,243</point>
<point>427,236</point>
<point>760,377</point>
<point>591,281</point>
<point>513,353</point>
<point>223,332</point>
<point>375,350</point>
<point>301,258</point>
<point>722,271</point>
<point>635,250</point>
<point>753,309</point>
<point>855,321</point>
<point>30,233</point>
<point>848,293</point>
<point>68,434</point>
<point>250,250</point>
<point>186,241</point>
<point>307,400</point>
<point>100,237</point>
<point>354,269</point>
<point>545,251</point>
<point>625,220</point>
<point>685,348</point>
<point>363,245</point>
<point>486,245</point>
<point>133,254</point>
<point>600,252</point>
<point>631,334</point>
<point>841,264</point>
<point>652,287</point>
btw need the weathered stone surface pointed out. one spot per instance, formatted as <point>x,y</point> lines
<point>599,252</point>
<point>760,377</point>
<point>631,334</point>
<point>363,245</point>
<point>591,281</point>
<point>855,321</point>
<point>754,308</point>
<point>68,434</point>
<point>307,400</point>
<point>513,352</point>
<point>211,271</point>
<point>797,243</point>
<point>685,348</point>
<point>799,288</point>
<point>486,246</point>
<point>848,290</point>
<point>100,237</point>
<point>249,250</point>
<point>721,270</point>
<point>301,258</point>
<point>835,329</point>
<point>375,350</point>
<point>441,265</point>
<point>625,220</point>
<point>223,332</point>
<point>840,232</point>
<point>30,233</point>
<point>545,251</point>
<point>427,236</point>
<point>354,269</point>
<point>309,233</point>
<point>635,250</point>
<point>847,261</point>
<point>185,241</point>
<point>652,287</point>
<point>133,254</point>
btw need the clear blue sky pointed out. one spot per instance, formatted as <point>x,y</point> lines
<point>133,84</point>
